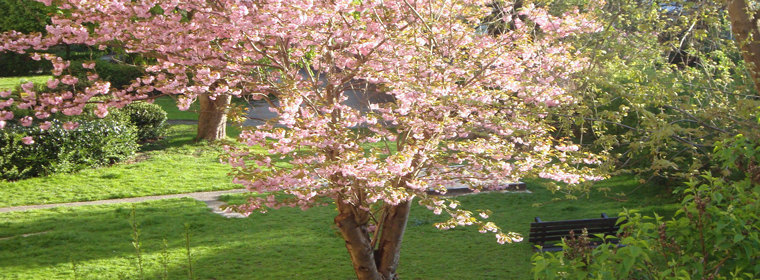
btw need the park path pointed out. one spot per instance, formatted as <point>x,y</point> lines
<point>210,198</point>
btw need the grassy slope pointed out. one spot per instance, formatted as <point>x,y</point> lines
<point>170,106</point>
<point>281,244</point>
<point>7,83</point>
<point>175,165</point>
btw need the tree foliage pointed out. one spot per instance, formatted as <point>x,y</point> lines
<point>714,234</point>
<point>667,82</point>
<point>25,16</point>
<point>461,105</point>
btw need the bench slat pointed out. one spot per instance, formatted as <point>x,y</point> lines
<point>567,229</point>
<point>552,247</point>
<point>574,222</point>
<point>591,232</point>
<point>552,232</point>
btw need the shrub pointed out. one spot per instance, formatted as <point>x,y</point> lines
<point>715,234</point>
<point>120,75</point>
<point>150,119</point>
<point>14,65</point>
<point>93,143</point>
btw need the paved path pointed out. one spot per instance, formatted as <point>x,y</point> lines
<point>210,198</point>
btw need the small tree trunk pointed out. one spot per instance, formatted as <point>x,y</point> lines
<point>371,264</point>
<point>212,119</point>
<point>358,243</point>
<point>390,240</point>
<point>744,24</point>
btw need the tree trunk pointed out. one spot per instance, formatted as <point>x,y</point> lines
<point>212,118</point>
<point>744,24</point>
<point>371,264</point>
<point>358,242</point>
<point>390,240</point>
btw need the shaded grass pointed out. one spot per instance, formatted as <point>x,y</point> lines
<point>172,165</point>
<point>282,244</point>
<point>7,83</point>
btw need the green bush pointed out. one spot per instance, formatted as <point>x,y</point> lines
<point>150,119</point>
<point>15,65</point>
<point>715,234</point>
<point>120,75</point>
<point>93,143</point>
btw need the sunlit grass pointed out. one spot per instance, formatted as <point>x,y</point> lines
<point>286,243</point>
<point>172,165</point>
<point>7,83</point>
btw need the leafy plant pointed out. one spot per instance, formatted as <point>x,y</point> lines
<point>149,119</point>
<point>118,74</point>
<point>93,143</point>
<point>715,234</point>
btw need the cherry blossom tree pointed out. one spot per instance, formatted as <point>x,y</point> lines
<point>463,105</point>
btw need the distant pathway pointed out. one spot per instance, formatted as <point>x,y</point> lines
<point>210,198</point>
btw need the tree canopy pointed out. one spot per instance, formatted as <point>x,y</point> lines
<point>466,106</point>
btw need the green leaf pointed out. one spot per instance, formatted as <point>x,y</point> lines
<point>635,251</point>
<point>738,238</point>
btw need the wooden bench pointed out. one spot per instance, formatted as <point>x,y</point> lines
<point>548,234</point>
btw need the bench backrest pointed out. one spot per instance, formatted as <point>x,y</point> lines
<point>550,233</point>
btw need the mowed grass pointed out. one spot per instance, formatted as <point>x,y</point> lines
<point>171,165</point>
<point>173,112</point>
<point>7,83</point>
<point>282,244</point>
<point>94,242</point>
<point>169,104</point>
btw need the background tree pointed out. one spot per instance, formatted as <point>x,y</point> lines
<point>25,16</point>
<point>667,81</point>
<point>468,107</point>
<point>713,235</point>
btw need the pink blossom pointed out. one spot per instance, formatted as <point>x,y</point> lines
<point>53,83</point>
<point>70,125</point>
<point>6,103</point>
<point>42,115</point>
<point>102,110</point>
<point>45,125</point>
<point>69,80</point>
<point>28,87</point>
<point>2,124</point>
<point>260,48</point>
<point>5,93</point>
<point>27,140</point>
<point>26,121</point>
<point>6,115</point>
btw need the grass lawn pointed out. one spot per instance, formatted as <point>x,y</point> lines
<point>7,83</point>
<point>94,242</point>
<point>172,165</point>
<point>281,244</point>
<point>170,106</point>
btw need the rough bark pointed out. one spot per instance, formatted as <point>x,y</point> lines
<point>212,118</point>
<point>358,243</point>
<point>389,251</point>
<point>744,24</point>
